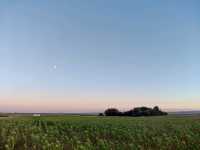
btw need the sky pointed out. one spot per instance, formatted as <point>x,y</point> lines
<point>86,56</point>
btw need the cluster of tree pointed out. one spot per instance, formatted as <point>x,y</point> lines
<point>138,111</point>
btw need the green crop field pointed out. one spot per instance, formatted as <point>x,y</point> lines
<point>101,133</point>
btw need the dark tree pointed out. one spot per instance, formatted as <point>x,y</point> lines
<point>129,113</point>
<point>112,112</point>
<point>156,108</point>
<point>138,111</point>
<point>101,114</point>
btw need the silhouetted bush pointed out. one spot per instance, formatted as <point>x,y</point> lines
<point>112,112</point>
<point>138,111</point>
<point>101,114</point>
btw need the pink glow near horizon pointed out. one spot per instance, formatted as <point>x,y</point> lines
<point>87,103</point>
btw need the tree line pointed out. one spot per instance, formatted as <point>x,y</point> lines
<point>138,111</point>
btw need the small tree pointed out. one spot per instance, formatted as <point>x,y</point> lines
<point>101,114</point>
<point>112,112</point>
<point>156,108</point>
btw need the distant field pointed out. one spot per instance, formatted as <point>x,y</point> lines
<point>101,133</point>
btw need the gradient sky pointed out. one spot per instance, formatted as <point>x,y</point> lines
<point>85,56</point>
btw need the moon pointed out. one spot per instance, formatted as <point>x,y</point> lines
<point>54,67</point>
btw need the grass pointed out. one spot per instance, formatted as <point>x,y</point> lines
<point>103,133</point>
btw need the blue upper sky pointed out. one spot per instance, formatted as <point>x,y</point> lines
<point>101,46</point>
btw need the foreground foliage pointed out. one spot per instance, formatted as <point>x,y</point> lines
<point>101,133</point>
